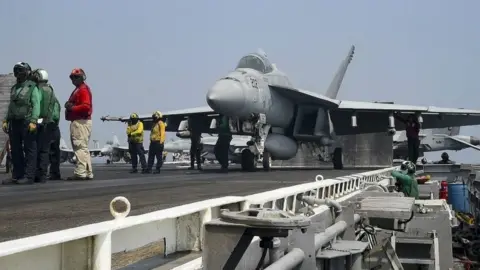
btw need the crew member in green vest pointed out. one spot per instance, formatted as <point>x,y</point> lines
<point>54,152</point>
<point>21,124</point>
<point>47,126</point>
<point>223,142</point>
<point>406,179</point>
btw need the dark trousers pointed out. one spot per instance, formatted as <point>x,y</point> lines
<point>136,150</point>
<point>24,149</point>
<point>155,150</point>
<point>195,151</point>
<point>221,150</point>
<point>44,140</point>
<point>54,152</point>
<point>413,145</point>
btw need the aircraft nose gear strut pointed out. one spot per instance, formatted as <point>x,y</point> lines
<point>256,146</point>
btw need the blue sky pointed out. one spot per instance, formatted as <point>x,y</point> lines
<point>162,55</point>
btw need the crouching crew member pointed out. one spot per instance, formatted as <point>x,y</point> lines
<point>157,139</point>
<point>135,143</point>
<point>21,124</point>
<point>46,128</point>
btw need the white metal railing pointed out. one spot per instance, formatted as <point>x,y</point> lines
<point>179,228</point>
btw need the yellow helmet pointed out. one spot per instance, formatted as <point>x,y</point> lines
<point>133,116</point>
<point>157,114</point>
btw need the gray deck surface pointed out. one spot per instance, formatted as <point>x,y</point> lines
<point>41,208</point>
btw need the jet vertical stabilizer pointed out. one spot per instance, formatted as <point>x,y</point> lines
<point>63,144</point>
<point>334,87</point>
<point>115,141</point>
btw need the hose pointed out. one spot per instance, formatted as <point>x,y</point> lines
<point>262,259</point>
<point>406,221</point>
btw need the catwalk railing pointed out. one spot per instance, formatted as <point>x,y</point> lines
<point>166,231</point>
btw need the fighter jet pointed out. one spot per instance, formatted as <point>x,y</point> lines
<point>67,154</point>
<point>237,145</point>
<point>262,102</point>
<point>435,140</point>
<point>115,152</point>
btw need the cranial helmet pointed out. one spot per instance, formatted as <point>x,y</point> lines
<point>408,167</point>
<point>40,75</point>
<point>157,114</point>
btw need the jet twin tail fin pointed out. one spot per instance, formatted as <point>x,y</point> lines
<point>334,87</point>
<point>115,141</point>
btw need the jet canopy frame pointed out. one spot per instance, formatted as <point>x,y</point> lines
<point>257,62</point>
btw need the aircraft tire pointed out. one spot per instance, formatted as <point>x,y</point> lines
<point>266,162</point>
<point>337,159</point>
<point>248,161</point>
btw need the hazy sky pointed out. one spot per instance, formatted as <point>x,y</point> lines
<point>162,55</point>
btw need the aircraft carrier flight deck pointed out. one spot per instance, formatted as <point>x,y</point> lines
<point>57,205</point>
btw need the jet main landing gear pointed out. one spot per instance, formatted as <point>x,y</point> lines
<point>256,147</point>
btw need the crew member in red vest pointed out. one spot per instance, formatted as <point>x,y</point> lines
<point>412,131</point>
<point>78,110</point>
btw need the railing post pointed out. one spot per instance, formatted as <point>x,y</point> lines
<point>102,247</point>
<point>102,251</point>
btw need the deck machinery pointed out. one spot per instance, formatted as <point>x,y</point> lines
<point>374,230</point>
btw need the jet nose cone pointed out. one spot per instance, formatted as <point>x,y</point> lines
<point>226,97</point>
<point>474,140</point>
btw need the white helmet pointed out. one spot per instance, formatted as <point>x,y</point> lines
<point>41,75</point>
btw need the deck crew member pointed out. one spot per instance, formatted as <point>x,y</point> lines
<point>45,129</point>
<point>194,126</point>
<point>157,140</point>
<point>135,143</point>
<point>406,179</point>
<point>445,159</point>
<point>222,145</point>
<point>54,149</point>
<point>21,124</point>
<point>412,131</point>
<point>78,110</point>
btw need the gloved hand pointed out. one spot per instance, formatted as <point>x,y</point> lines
<point>5,126</point>
<point>68,105</point>
<point>32,127</point>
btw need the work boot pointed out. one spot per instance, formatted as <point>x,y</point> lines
<point>26,181</point>
<point>11,181</point>
<point>199,167</point>
<point>134,170</point>
<point>40,179</point>
<point>54,177</point>
<point>157,171</point>
<point>78,178</point>
<point>147,171</point>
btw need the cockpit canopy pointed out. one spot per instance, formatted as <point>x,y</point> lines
<point>257,62</point>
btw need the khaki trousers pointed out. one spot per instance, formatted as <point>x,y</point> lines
<point>80,131</point>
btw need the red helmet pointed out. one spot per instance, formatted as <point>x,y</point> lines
<point>78,72</point>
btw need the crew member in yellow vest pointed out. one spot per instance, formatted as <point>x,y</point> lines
<point>21,124</point>
<point>135,143</point>
<point>157,139</point>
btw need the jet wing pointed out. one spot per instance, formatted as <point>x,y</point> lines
<point>95,151</point>
<point>460,141</point>
<point>173,117</point>
<point>373,117</point>
<point>305,97</point>
<point>124,149</point>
